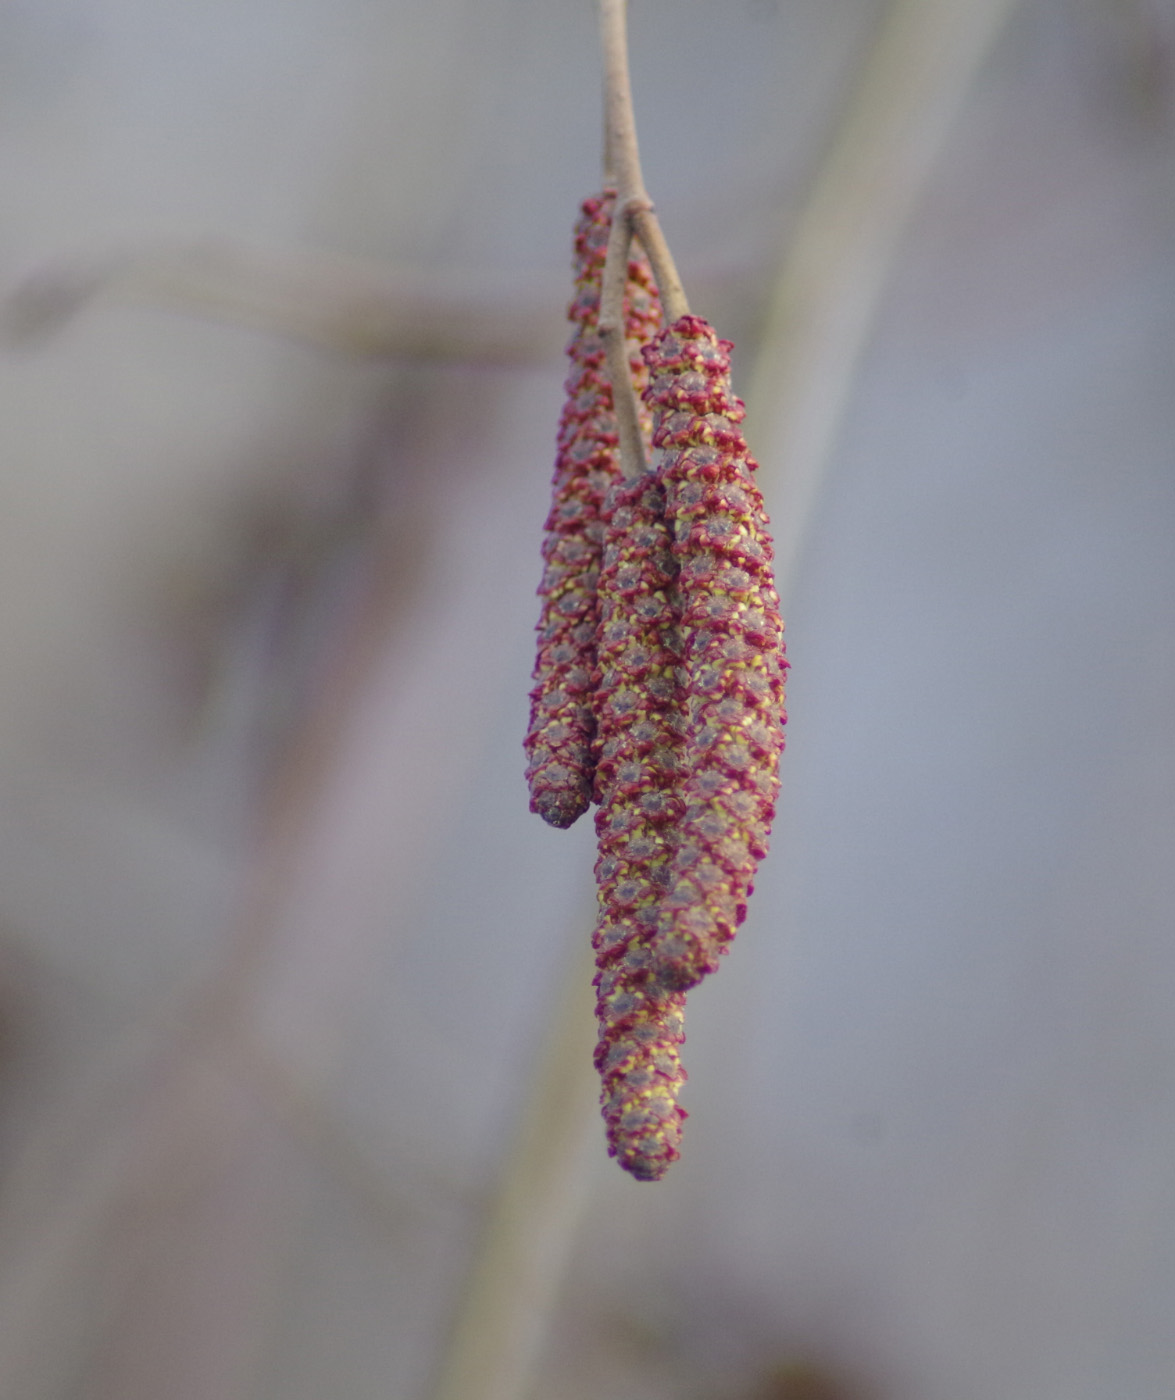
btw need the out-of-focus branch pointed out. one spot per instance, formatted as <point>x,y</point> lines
<point>837,261</point>
<point>190,1094</point>
<point>350,307</point>
<point>530,1225</point>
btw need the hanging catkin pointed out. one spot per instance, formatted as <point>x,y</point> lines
<point>560,735</point>
<point>639,721</point>
<point>732,657</point>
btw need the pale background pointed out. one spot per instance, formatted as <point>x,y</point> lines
<point>280,944</point>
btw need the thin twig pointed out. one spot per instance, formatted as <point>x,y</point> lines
<point>632,446</point>
<point>647,228</point>
<point>619,120</point>
<point>634,214</point>
<point>623,154</point>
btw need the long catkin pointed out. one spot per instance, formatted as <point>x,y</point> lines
<point>561,732</point>
<point>640,735</point>
<point>732,656</point>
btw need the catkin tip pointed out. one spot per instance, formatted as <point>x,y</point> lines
<point>644,1168</point>
<point>561,809</point>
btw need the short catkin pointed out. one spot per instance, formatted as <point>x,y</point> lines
<point>559,739</point>
<point>732,662</point>
<point>639,740</point>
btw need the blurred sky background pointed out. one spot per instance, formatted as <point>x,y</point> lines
<point>283,956</point>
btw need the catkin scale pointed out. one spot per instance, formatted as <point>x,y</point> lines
<point>560,734</point>
<point>732,658</point>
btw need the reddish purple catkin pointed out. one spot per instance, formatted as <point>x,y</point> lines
<point>732,650</point>
<point>559,738</point>
<point>639,721</point>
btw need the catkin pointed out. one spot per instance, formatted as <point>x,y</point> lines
<point>732,660</point>
<point>639,752</point>
<point>559,739</point>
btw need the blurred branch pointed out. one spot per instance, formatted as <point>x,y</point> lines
<point>190,1097</point>
<point>837,262</point>
<point>531,1222</point>
<point>346,306</point>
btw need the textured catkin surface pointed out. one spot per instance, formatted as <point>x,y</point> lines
<point>560,734</point>
<point>732,656</point>
<point>638,703</point>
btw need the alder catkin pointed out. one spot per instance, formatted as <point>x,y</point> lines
<point>639,718</point>
<point>732,658</point>
<point>560,734</point>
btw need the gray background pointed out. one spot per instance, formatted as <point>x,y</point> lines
<point>280,944</point>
